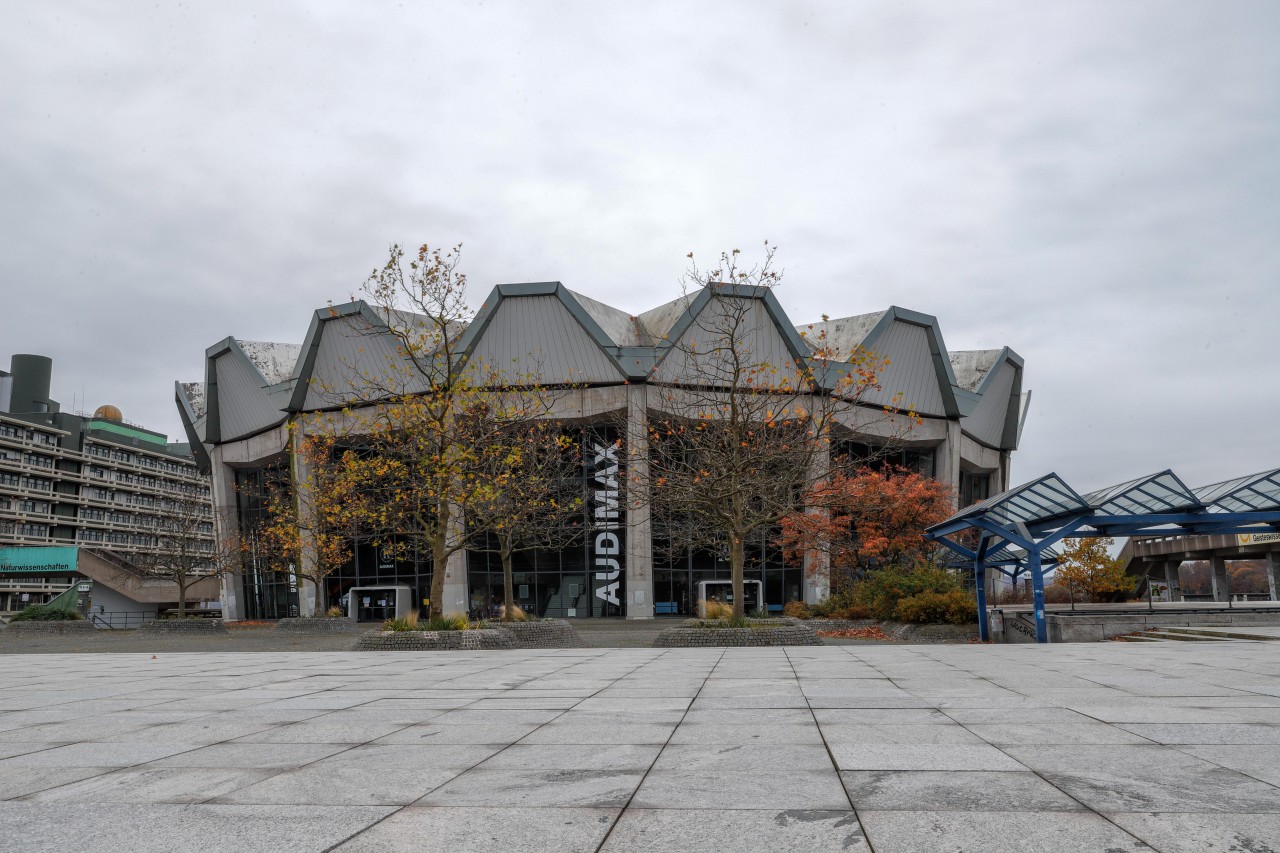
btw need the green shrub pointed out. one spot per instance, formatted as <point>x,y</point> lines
<point>41,613</point>
<point>796,610</point>
<point>447,622</point>
<point>833,604</point>
<point>956,607</point>
<point>841,605</point>
<point>881,591</point>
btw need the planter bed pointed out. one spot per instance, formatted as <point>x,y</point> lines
<point>903,632</point>
<point>544,634</point>
<point>401,641</point>
<point>763,632</point>
<point>318,625</point>
<point>181,626</point>
<point>36,629</point>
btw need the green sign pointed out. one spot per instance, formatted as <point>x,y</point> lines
<point>52,560</point>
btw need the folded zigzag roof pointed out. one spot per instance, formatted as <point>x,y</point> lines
<point>559,336</point>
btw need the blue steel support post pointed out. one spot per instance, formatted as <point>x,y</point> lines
<point>1037,589</point>
<point>980,581</point>
<point>980,578</point>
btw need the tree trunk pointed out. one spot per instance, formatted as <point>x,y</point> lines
<point>508,589</point>
<point>737,558</point>
<point>182,596</point>
<point>439,557</point>
<point>321,603</point>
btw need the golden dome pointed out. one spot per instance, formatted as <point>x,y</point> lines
<point>108,413</point>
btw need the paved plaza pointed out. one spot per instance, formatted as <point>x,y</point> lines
<point>1103,747</point>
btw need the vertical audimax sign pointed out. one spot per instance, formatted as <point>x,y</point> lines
<point>606,525</point>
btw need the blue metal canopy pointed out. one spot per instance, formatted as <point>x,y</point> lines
<point>1017,529</point>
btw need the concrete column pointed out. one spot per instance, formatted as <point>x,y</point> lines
<point>817,563</point>
<point>947,460</point>
<point>1273,566</point>
<point>301,474</point>
<point>226,521</point>
<point>639,544</point>
<point>1171,578</point>
<point>456,591</point>
<point>1221,591</point>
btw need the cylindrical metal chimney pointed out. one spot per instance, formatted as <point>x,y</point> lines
<point>31,377</point>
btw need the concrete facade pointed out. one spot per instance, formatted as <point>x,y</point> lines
<point>606,364</point>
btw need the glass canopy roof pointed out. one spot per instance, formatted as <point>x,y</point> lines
<point>1254,493</point>
<point>1162,494</point>
<point>1038,500</point>
<point>1154,493</point>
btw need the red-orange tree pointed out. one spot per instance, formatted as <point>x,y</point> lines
<point>866,519</point>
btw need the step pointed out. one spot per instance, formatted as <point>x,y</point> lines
<point>1161,634</point>
<point>1216,633</point>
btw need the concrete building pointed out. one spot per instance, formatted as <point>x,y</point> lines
<point>256,395</point>
<point>80,481</point>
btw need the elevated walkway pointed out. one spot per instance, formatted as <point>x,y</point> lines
<point>116,573</point>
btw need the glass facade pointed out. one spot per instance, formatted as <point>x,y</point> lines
<point>588,576</point>
<point>918,459</point>
<point>676,576</point>
<point>584,578</point>
<point>268,594</point>
<point>376,570</point>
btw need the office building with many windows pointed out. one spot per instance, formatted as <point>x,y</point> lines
<point>80,480</point>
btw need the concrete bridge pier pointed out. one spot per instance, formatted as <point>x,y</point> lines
<point>1172,580</point>
<point>1221,589</point>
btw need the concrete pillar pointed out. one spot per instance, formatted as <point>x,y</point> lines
<point>301,473</point>
<point>456,591</point>
<point>947,460</point>
<point>639,544</point>
<point>1221,590</point>
<point>817,563</point>
<point>1273,566</point>
<point>226,521</point>
<point>1171,578</point>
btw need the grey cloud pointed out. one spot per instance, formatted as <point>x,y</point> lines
<point>1093,184</point>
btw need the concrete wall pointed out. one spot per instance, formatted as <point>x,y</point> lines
<point>1019,627</point>
<point>107,601</point>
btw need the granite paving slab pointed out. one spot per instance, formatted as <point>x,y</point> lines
<point>484,830</point>
<point>747,831</point>
<point>948,748</point>
<point>977,790</point>
<point>163,827</point>
<point>1204,833</point>
<point>911,756</point>
<point>153,785</point>
<point>1007,832</point>
<point>742,789</point>
<point>537,787</point>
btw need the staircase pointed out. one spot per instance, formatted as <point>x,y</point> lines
<point>1262,633</point>
<point>558,607</point>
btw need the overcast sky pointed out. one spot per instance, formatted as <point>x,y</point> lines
<point>1095,184</point>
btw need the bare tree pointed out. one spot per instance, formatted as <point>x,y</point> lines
<point>741,428</point>
<point>426,418</point>
<point>533,500</point>
<point>311,521</point>
<point>185,547</point>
